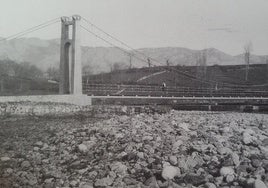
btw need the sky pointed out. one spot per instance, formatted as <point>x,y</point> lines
<point>196,24</point>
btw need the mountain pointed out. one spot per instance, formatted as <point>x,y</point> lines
<point>46,53</point>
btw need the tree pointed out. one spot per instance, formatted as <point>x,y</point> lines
<point>53,73</point>
<point>267,69</point>
<point>149,62</point>
<point>248,47</point>
<point>167,63</point>
<point>88,70</point>
<point>201,64</point>
<point>130,60</point>
<point>26,70</point>
<point>118,66</point>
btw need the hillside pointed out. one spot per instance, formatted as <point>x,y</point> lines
<point>187,76</point>
<point>45,54</point>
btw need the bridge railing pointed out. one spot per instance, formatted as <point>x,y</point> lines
<point>145,90</point>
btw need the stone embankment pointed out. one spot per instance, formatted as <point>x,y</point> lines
<point>175,149</point>
<point>63,109</point>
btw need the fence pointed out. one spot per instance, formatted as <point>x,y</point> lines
<point>149,90</point>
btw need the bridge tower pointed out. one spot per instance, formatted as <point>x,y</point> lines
<point>70,56</point>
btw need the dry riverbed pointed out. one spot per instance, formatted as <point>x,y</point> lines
<point>176,149</point>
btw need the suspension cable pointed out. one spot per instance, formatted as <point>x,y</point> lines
<point>30,30</point>
<point>99,37</point>
<point>177,71</point>
<point>116,39</point>
<point>155,60</point>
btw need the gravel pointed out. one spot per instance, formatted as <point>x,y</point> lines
<point>175,149</point>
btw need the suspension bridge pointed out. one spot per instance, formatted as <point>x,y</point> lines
<point>71,81</point>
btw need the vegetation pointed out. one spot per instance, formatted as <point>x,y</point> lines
<point>175,75</point>
<point>23,79</point>
<point>247,53</point>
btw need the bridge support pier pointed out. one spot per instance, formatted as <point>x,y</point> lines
<point>70,56</point>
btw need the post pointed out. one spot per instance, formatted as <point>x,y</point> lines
<point>76,74</point>
<point>64,83</point>
<point>70,69</point>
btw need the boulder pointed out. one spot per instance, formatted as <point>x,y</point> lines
<point>173,160</point>
<point>248,136</point>
<point>169,172</point>
<point>259,184</point>
<point>224,171</point>
<point>25,164</point>
<point>82,148</point>
<point>119,168</point>
<point>4,159</point>
<point>104,182</point>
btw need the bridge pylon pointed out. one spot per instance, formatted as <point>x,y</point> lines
<point>70,56</point>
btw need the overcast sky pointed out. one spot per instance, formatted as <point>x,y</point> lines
<point>223,24</point>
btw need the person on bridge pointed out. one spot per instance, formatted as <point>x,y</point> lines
<point>164,86</point>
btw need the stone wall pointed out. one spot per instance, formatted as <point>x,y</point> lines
<point>82,100</point>
<point>63,109</point>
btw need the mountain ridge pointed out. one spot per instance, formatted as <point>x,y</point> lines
<point>46,53</point>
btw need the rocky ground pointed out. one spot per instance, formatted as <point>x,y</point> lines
<point>176,149</point>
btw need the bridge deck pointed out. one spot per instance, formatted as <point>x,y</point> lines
<point>178,98</point>
<point>156,91</point>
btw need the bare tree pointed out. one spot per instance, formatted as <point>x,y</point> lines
<point>149,62</point>
<point>201,64</point>
<point>130,60</point>
<point>167,62</point>
<point>118,66</point>
<point>53,73</point>
<point>248,47</point>
<point>267,69</point>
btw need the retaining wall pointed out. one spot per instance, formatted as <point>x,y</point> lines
<point>82,100</point>
<point>63,109</point>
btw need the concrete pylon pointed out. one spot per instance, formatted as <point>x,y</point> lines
<point>70,57</point>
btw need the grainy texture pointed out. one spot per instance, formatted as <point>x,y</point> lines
<point>175,149</point>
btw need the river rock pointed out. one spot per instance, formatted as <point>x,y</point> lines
<point>73,183</point>
<point>147,138</point>
<point>235,158</point>
<point>259,184</point>
<point>194,179</point>
<point>140,155</point>
<point>4,159</point>
<point>256,163</point>
<point>184,126</point>
<point>176,145</point>
<point>169,172</point>
<point>248,137</point>
<point>25,164</point>
<point>104,182</point>
<point>119,168</point>
<point>39,143</point>
<point>130,181</point>
<point>173,160</point>
<point>230,178</point>
<point>151,182</point>
<point>82,148</point>
<point>85,185</point>
<point>9,170</point>
<point>210,185</point>
<point>224,171</point>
